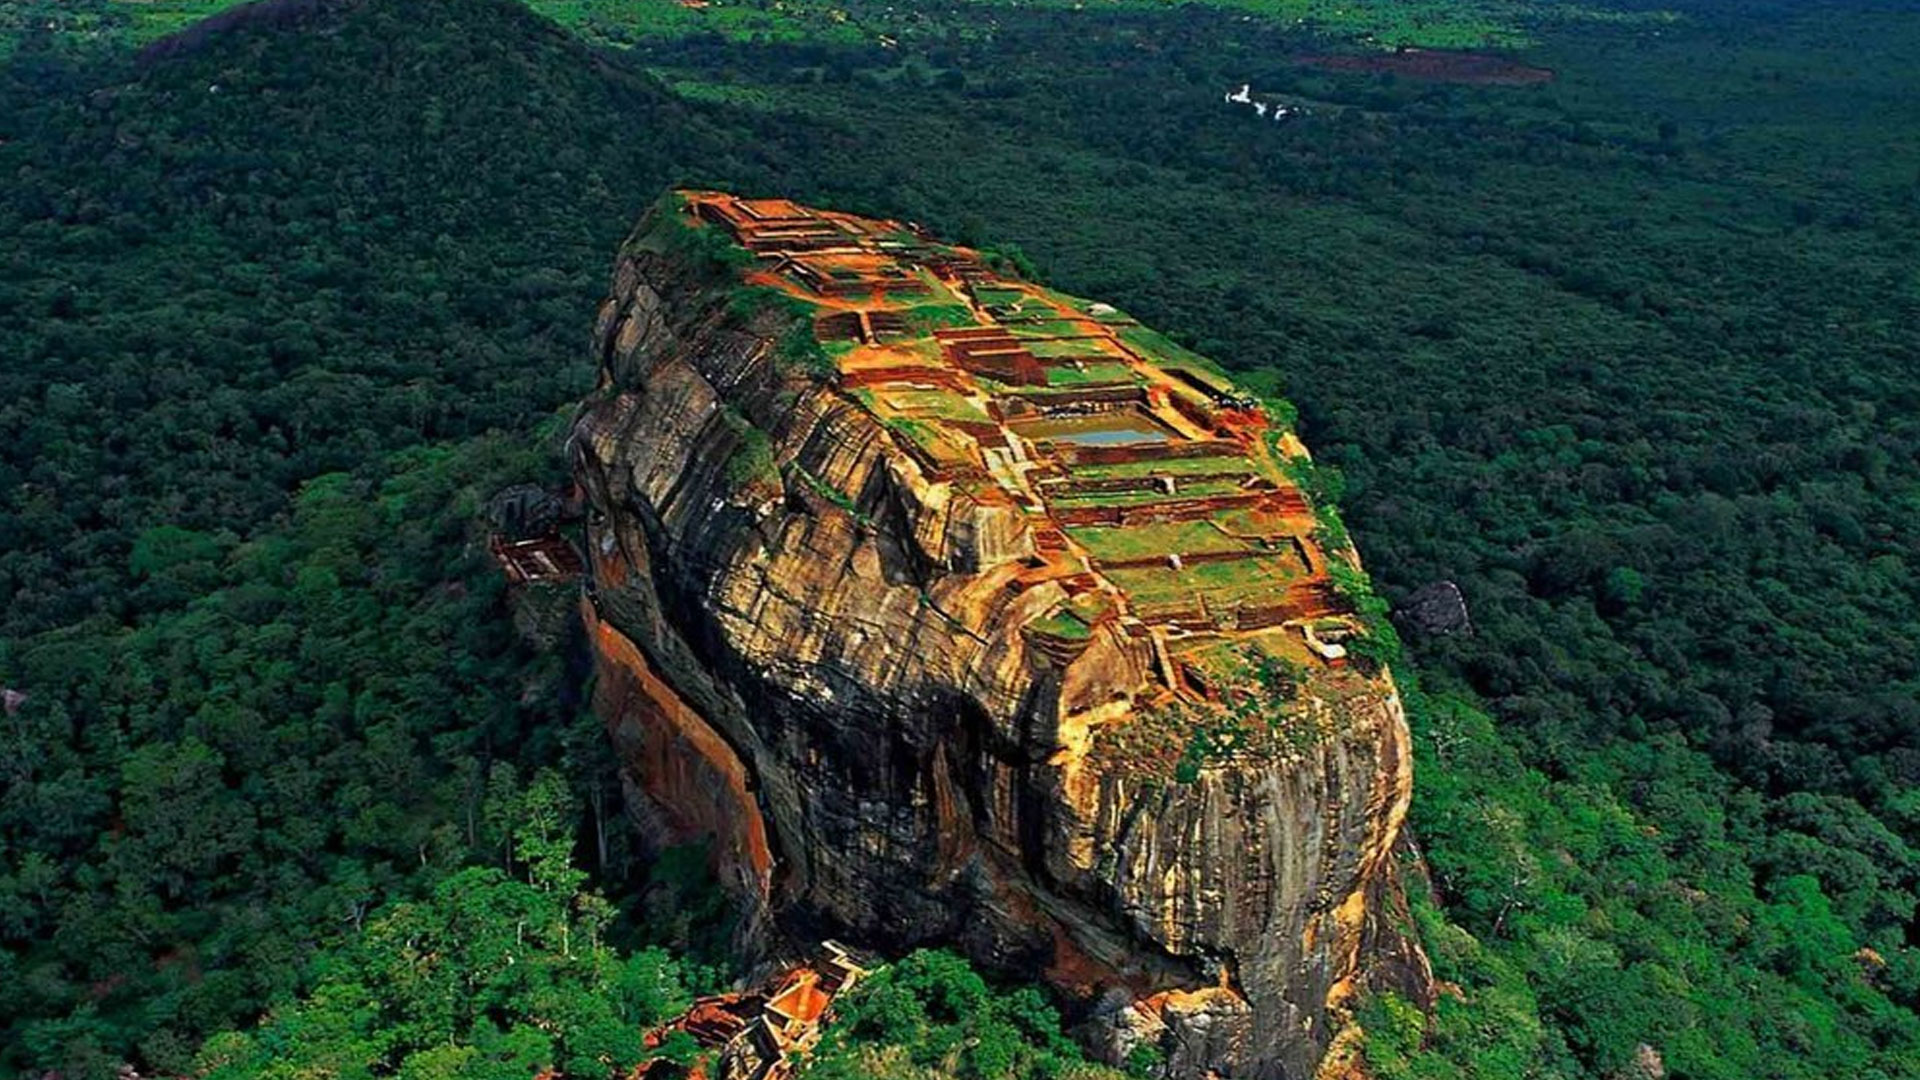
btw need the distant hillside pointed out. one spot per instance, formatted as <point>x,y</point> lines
<point>380,230</point>
<point>227,19</point>
<point>1429,23</point>
<point>239,266</point>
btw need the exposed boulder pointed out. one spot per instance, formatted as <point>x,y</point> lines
<point>525,511</point>
<point>1437,609</point>
<point>838,655</point>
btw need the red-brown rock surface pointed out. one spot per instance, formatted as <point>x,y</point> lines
<point>846,628</point>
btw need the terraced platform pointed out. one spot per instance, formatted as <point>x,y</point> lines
<point>1153,489</point>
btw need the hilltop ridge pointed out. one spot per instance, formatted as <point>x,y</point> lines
<point>956,610</point>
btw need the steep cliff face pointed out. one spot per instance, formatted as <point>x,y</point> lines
<point>956,611</point>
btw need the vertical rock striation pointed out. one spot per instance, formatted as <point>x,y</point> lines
<point>926,670</point>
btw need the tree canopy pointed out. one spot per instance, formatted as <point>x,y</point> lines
<point>1627,355</point>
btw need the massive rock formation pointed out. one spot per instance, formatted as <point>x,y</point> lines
<point>956,611</point>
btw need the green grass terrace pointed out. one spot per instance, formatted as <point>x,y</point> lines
<point>1118,544</point>
<point>1195,466</point>
<point>1222,585</point>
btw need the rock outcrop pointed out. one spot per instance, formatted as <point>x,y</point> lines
<point>1437,608</point>
<point>954,611</point>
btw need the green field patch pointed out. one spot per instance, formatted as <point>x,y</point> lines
<point>1091,606</point>
<point>991,296</point>
<point>1090,347</point>
<point>1015,303</point>
<point>1194,466</point>
<point>924,319</point>
<point>928,436</point>
<point>1197,489</point>
<point>933,404</point>
<point>1048,327</point>
<point>1119,543</point>
<point>1226,662</point>
<point>1226,583</point>
<point>1063,624</point>
<point>1064,300</point>
<point>1429,23</point>
<point>938,294</point>
<point>625,22</point>
<point>1168,353</point>
<point>1112,371</point>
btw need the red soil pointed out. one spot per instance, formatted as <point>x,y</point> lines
<point>1478,69</point>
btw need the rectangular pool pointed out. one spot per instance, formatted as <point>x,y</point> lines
<point>1116,428</point>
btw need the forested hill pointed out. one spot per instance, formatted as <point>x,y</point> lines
<point>281,251</point>
<point>337,255</point>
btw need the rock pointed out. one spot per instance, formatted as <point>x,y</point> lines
<point>1118,1026</point>
<point>1647,1064</point>
<point>524,511</point>
<point>1437,608</point>
<point>843,690</point>
<point>1871,965</point>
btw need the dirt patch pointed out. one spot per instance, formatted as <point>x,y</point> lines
<point>1478,69</point>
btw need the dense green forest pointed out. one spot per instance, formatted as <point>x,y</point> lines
<point>1428,23</point>
<point>1627,355</point>
<point>270,345</point>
